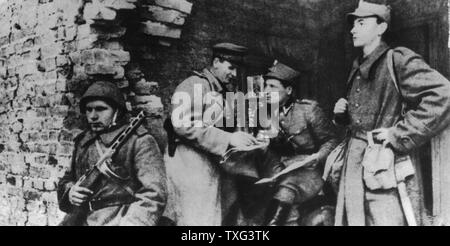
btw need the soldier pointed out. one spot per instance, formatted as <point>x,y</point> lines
<point>195,180</point>
<point>139,196</point>
<point>374,104</point>
<point>304,130</point>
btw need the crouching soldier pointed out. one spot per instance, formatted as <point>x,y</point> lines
<point>136,195</point>
<point>304,130</point>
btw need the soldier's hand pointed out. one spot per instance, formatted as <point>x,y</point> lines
<point>242,139</point>
<point>341,106</point>
<point>381,135</point>
<point>78,195</point>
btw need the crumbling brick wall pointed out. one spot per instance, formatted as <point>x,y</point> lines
<point>50,51</point>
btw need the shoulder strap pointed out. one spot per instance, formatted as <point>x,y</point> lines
<point>390,64</point>
<point>391,68</point>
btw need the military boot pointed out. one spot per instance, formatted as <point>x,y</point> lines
<point>277,213</point>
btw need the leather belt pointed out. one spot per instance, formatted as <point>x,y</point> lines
<point>109,202</point>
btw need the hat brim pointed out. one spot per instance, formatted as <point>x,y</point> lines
<point>359,14</point>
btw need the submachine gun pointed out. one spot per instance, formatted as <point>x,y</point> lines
<point>91,178</point>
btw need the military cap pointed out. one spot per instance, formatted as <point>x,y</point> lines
<point>368,9</point>
<point>282,72</point>
<point>105,91</point>
<point>230,52</point>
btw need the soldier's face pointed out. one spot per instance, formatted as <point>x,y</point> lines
<point>99,115</point>
<point>275,86</point>
<point>366,31</point>
<point>224,71</point>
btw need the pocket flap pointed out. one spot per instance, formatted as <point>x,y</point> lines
<point>377,158</point>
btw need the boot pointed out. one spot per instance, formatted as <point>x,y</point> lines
<point>277,213</point>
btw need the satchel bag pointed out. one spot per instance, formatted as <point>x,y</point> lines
<point>378,166</point>
<point>381,169</point>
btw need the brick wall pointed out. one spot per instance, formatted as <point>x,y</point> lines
<point>50,51</point>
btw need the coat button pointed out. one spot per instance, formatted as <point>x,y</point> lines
<point>358,90</point>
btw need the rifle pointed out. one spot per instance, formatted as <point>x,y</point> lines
<point>91,178</point>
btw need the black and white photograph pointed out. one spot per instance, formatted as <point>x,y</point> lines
<point>224,113</point>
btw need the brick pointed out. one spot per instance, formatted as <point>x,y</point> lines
<point>166,15</point>
<point>15,181</point>
<point>99,69</point>
<point>119,73</point>
<point>112,45</point>
<point>151,110</point>
<point>2,178</point>
<point>66,148</point>
<point>50,185</point>
<point>17,127</point>
<point>70,47</point>
<point>181,5</point>
<point>53,123</point>
<point>59,110</point>
<point>61,85</point>
<point>112,32</point>
<point>61,60</point>
<point>36,219</point>
<point>88,42</point>
<point>19,169</point>
<point>87,57</point>
<point>53,135</point>
<point>122,84</point>
<point>28,68</point>
<point>30,55</point>
<point>95,11</point>
<point>27,183</point>
<point>39,184</point>
<point>120,56</point>
<point>39,172</point>
<point>102,56</point>
<point>119,5</point>
<point>61,33</point>
<point>144,87</point>
<point>160,30</point>
<point>50,63</point>
<point>51,50</point>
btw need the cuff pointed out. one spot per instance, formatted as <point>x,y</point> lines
<point>399,144</point>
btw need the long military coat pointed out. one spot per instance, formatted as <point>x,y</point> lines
<point>194,177</point>
<point>375,103</point>
<point>139,159</point>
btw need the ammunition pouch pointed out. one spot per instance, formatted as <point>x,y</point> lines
<point>94,205</point>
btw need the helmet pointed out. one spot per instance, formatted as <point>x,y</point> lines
<point>105,91</point>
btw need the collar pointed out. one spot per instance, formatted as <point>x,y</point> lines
<point>212,80</point>
<point>286,110</point>
<point>105,138</point>
<point>366,64</point>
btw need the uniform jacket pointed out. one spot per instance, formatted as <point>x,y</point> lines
<point>193,172</point>
<point>375,103</point>
<point>140,159</point>
<point>305,130</point>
